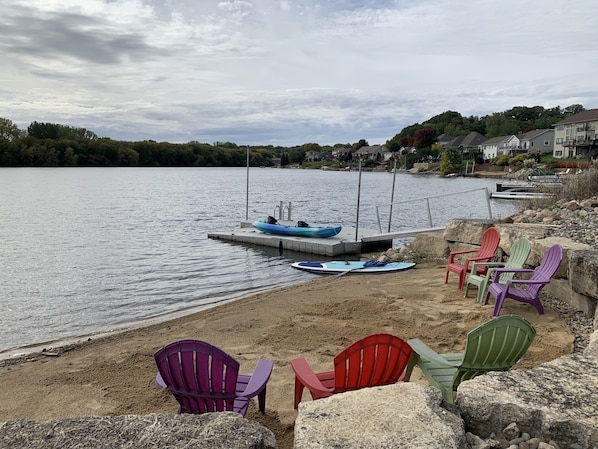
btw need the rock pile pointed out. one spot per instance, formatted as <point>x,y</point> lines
<point>574,220</point>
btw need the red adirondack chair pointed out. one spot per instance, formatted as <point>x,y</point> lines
<point>490,241</point>
<point>526,290</point>
<point>203,378</point>
<point>378,359</point>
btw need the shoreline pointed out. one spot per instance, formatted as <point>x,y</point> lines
<point>14,355</point>
<point>114,375</point>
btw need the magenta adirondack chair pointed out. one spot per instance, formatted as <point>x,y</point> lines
<point>526,290</point>
<point>378,359</point>
<point>490,241</point>
<point>203,378</point>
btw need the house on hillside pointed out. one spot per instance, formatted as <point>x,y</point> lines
<point>469,144</point>
<point>577,136</point>
<point>377,153</point>
<point>499,145</point>
<point>444,139</point>
<point>538,141</point>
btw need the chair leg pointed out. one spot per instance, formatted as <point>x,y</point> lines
<point>498,305</point>
<point>261,400</point>
<point>298,392</point>
<point>446,276</point>
<point>482,288</point>
<point>466,289</point>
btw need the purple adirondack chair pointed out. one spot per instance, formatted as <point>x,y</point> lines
<point>203,378</point>
<point>526,290</point>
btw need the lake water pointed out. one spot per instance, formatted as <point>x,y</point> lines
<point>90,250</point>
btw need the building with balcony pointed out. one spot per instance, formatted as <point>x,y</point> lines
<point>577,136</point>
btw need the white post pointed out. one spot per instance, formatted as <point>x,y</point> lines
<point>247,189</point>
<point>358,198</point>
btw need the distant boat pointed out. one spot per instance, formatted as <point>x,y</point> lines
<point>514,194</point>
<point>543,177</point>
<point>525,190</point>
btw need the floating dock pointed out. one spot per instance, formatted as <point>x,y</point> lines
<point>342,243</point>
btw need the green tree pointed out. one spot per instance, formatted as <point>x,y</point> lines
<point>451,161</point>
<point>9,131</point>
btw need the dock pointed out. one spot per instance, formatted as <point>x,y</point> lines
<point>342,243</point>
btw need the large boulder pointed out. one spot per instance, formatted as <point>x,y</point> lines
<point>405,415</point>
<point>207,431</point>
<point>468,232</point>
<point>557,400</point>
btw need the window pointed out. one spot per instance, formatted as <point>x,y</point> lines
<point>559,140</point>
<point>546,143</point>
<point>560,128</point>
<point>558,153</point>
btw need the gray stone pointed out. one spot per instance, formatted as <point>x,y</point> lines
<point>539,247</point>
<point>207,431</point>
<point>466,231</point>
<point>475,442</point>
<point>557,400</point>
<point>511,432</point>
<point>404,415</point>
<point>510,233</point>
<point>561,288</point>
<point>583,272</point>
<point>430,244</point>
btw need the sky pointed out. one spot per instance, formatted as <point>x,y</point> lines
<point>288,72</point>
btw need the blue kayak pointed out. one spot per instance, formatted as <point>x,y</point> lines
<point>341,266</point>
<point>297,231</point>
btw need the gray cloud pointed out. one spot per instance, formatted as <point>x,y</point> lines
<point>287,72</point>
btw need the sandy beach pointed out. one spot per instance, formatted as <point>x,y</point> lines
<point>114,375</point>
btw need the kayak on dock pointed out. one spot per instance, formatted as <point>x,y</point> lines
<point>302,229</point>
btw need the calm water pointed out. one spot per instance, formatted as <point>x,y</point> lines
<point>88,250</point>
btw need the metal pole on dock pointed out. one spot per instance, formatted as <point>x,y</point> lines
<point>247,189</point>
<point>358,198</point>
<point>392,194</point>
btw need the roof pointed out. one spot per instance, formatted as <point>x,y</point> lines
<point>496,140</point>
<point>473,138</point>
<point>534,133</point>
<point>583,116</point>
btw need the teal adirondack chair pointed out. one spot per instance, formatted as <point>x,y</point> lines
<point>495,345</point>
<point>519,254</point>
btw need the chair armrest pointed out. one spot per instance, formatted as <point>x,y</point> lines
<point>524,281</point>
<point>258,379</point>
<point>427,353</point>
<point>457,253</point>
<point>306,375</point>
<point>487,264</point>
<point>500,271</point>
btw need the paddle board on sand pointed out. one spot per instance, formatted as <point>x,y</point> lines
<point>340,266</point>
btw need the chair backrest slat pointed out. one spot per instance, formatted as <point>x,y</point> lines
<point>202,377</point>
<point>495,345</point>
<point>377,359</point>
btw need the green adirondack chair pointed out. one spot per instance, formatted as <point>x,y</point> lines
<point>519,254</point>
<point>495,345</point>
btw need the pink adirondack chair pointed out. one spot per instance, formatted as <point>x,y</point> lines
<point>526,290</point>
<point>490,241</point>
<point>378,359</point>
<point>203,378</point>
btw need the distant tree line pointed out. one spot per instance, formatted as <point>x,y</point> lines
<point>51,144</point>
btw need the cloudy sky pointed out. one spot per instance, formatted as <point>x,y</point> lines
<point>288,72</point>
